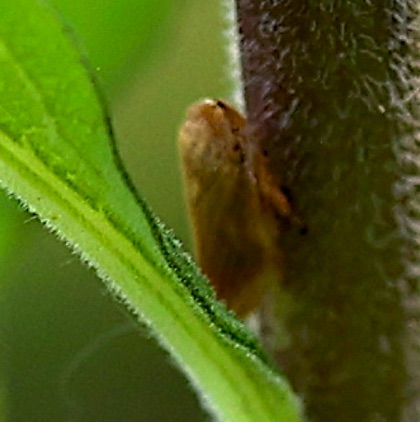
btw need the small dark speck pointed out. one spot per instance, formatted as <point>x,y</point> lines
<point>265,153</point>
<point>237,148</point>
<point>287,193</point>
<point>221,104</point>
<point>303,230</point>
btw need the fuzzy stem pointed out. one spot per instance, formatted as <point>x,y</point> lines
<point>332,88</point>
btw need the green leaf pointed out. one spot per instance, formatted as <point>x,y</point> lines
<point>56,156</point>
<point>113,32</point>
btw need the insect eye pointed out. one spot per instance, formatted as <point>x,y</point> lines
<point>221,104</point>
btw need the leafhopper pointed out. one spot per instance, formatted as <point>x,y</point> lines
<point>236,205</point>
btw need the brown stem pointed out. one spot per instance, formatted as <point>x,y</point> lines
<point>331,88</point>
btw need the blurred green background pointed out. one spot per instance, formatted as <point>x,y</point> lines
<point>68,352</point>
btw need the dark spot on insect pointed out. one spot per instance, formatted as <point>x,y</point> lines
<point>287,193</point>
<point>221,104</point>
<point>265,153</point>
<point>237,148</point>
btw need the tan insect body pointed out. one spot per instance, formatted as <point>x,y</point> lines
<point>234,202</point>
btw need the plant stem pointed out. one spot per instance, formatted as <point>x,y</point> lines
<point>331,89</point>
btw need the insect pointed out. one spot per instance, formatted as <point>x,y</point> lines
<point>235,204</point>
